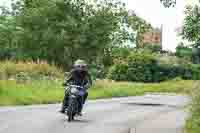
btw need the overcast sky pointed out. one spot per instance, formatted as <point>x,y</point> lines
<point>154,12</point>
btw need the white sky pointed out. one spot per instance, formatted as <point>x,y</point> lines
<point>154,12</point>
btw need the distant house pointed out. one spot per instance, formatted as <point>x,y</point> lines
<point>152,37</point>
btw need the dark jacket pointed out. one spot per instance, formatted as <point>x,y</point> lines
<point>77,78</point>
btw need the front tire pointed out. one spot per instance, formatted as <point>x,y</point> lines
<point>71,110</point>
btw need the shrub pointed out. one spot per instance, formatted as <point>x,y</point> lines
<point>141,67</point>
<point>169,71</point>
<point>171,60</point>
<point>118,52</point>
<point>153,47</point>
<point>98,71</point>
<point>145,67</point>
<point>192,71</point>
<point>183,51</point>
<point>118,72</point>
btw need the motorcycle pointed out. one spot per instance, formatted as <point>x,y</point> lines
<point>76,94</point>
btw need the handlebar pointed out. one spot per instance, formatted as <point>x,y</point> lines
<point>77,86</point>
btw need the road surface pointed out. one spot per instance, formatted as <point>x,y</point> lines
<point>142,114</point>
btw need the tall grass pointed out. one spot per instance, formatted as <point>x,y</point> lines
<point>193,123</point>
<point>10,69</point>
<point>42,92</point>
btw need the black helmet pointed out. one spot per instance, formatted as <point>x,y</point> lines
<point>80,65</point>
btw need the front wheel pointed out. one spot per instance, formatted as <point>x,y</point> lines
<point>71,110</point>
<point>70,118</point>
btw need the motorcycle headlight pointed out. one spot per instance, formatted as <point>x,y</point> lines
<point>74,90</point>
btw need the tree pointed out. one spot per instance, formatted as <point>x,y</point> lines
<point>64,30</point>
<point>168,3</point>
<point>9,33</point>
<point>191,27</point>
<point>140,26</point>
<point>191,30</point>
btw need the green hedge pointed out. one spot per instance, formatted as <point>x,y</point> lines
<point>118,72</point>
<point>139,67</point>
<point>193,71</point>
<point>143,67</point>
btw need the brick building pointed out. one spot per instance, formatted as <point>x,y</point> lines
<point>152,37</point>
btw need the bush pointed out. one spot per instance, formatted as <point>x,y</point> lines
<point>168,71</point>
<point>192,71</point>
<point>118,53</point>
<point>183,51</point>
<point>153,47</point>
<point>145,67</point>
<point>42,69</point>
<point>118,72</point>
<point>171,60</point>
<point>141,67</point>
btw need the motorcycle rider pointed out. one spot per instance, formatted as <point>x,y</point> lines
<point>78,76</point>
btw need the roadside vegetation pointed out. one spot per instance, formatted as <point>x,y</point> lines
<point>193,123</point>
<point>13,92</point>
<point>29,70</point>
<point>40,40</point>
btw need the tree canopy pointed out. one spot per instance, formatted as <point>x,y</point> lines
<point>60,31</point>
<point>168,3</point>
<point>191,27</point>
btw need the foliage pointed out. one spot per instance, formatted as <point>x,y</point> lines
<point>71,29</point>
<point>9,33</point>
<point>143,66</point>
<point>171,59</point>
<point>168,3</point>
<point>183,51</point>
<point>193,123</point>
<point>62,31</point>
<point>120,53</point>
<point>192,24</point>
<point>137,67</point>
<point>140,26</point>
<point>154,48</point>
<point>192,71</point>
<point>118,72</point>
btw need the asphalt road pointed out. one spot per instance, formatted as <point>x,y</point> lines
<point>143,114</point>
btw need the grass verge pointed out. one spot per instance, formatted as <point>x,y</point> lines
<point>193,123</point>
<point>43,92</point>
